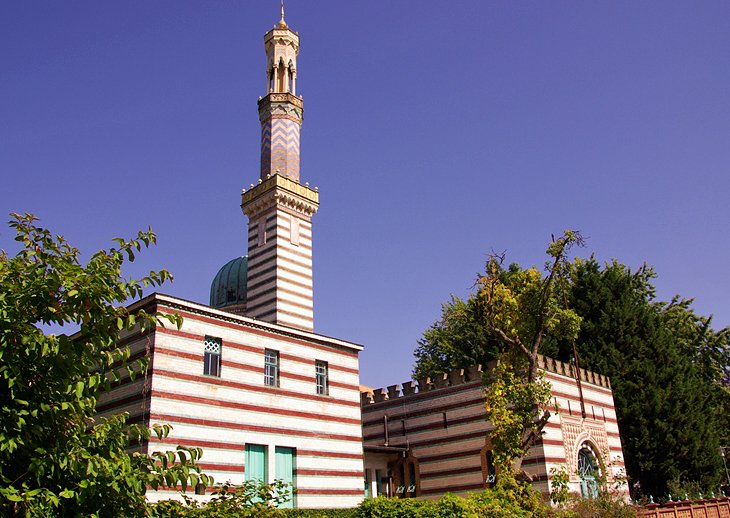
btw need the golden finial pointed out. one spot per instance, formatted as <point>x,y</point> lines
<point>282,23</point>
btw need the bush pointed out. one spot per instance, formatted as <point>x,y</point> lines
<point>515,500</point>
<point>320,513</point>
<point>252,499</point>
<point>605,506</point>
<point>384,507</point>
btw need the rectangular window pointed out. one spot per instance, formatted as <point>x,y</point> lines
<point>255,463</point>
<point>286,468</point>
<point>271,368</point>
<point>322,377</point>
<point>212,356</point>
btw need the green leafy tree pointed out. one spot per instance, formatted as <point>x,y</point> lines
<point>56,457</point>
<point>521,309</point>
<point>458,339</point>
<point>666,366</point>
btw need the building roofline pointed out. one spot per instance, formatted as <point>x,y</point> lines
<point>202,309</point>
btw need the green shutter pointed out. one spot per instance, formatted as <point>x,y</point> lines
<point>285,466</point>
<point>255,462</point>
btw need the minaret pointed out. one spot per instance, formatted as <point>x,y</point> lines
<point>279,208</point>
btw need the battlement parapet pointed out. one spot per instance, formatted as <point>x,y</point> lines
<point>471,374</point>
<point>568,369</point>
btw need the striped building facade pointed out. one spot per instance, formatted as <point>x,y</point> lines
<point>427,438</point>
<point>234,402</point>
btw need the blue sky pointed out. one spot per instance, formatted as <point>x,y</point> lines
<point>437,132</point>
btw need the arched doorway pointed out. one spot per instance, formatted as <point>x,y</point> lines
<point>588,472</point>
<point>406,476</point>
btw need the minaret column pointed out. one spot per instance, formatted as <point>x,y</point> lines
<point>279,285</point>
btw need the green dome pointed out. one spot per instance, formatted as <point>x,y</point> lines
<point>229,285</point>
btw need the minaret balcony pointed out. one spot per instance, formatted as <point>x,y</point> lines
<point>282,97</point>
<point>280,190</point>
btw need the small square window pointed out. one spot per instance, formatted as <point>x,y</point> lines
<point>321,370</point>
<point>271,368</point>
<point>212,356</point>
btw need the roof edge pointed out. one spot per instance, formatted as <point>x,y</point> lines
<point>247,321</point>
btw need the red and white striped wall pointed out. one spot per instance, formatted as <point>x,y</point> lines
<point>279,285</point>
<point>221,414</point>
<point>444,426</point>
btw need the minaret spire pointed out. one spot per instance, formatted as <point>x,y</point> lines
<point>282,23</point>
<point>280,208</point>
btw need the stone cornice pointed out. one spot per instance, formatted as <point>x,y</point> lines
<point>280,191</point>
<point>282,97</point>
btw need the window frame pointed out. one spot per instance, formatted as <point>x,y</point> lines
<point>272,369</point>
<point>211,358</point>
<point>322,377</point>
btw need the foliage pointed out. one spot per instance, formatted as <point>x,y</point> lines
<point>669,369</point>
<point>55,457</point>
<point>459,338</point>
<point>250,499</point>
<point>665,365</point>
<point>604,506</point>
<point>516,500</point>
<point>559,481</point>
<point>347,512</point>
<point>522,307</point>
<point>513,405</point>
<point>384,507</point>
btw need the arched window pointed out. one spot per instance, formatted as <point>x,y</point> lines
<point>588,472</point>
<point>281,75</point>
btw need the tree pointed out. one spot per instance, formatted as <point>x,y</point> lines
<point>666,365</point>
<point>460,338</point>
<point>520,309</point>
<point>56,458</point>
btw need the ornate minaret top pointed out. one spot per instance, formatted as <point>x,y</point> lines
<point>281,112</point>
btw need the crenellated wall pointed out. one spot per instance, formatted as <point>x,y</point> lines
<point>475,373</point>
<point>442,422</point>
